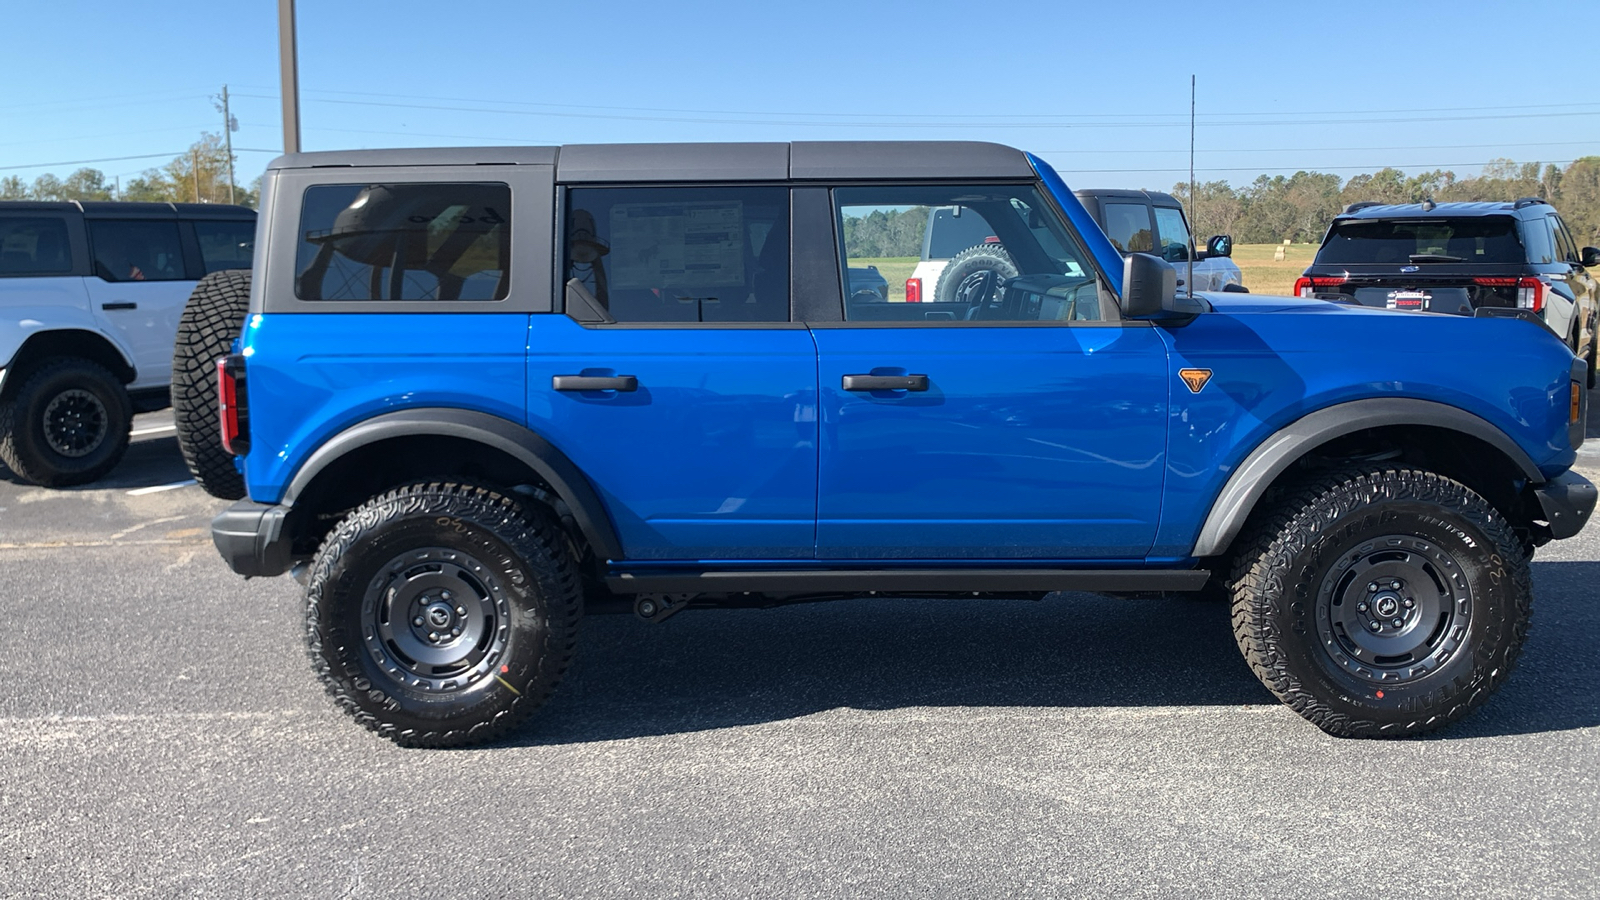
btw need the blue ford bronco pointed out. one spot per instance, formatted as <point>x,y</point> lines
<point>476,388</point>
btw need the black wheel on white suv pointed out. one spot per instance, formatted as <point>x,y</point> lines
<point>211,322</point>
<point>67,423</point>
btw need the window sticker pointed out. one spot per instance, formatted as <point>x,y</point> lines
<point>698,244</point>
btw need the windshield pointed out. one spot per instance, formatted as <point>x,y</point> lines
<point>1480,239</point>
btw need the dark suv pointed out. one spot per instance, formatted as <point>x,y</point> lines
<point>481,388</point>
<point>1464,259</point>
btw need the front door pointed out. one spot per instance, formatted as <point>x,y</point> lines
<point>1030,424</point>
<point>694,412</point>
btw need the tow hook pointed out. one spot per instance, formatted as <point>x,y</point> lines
<point>656,607</point>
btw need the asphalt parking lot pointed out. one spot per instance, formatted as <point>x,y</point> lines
<point>161,734</point>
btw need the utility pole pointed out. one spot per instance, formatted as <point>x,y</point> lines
<point>194,154</point>
<point>229,126</point>
<point>289,77</point>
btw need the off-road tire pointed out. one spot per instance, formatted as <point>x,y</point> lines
<point>67,423</point>
<point>211,322</point>
<point>400,552</point>
<point>969,262</point>
<point>1304,565</point>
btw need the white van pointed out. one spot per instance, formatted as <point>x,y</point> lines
<point>90,296</point>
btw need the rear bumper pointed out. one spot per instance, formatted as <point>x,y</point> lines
<point>1567,500</point>
<point>251,538</point>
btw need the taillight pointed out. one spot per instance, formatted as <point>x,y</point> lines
<point>1530,290</point>
<point>1305,287</point>
<point>914,290</point>
<point>232,405</point>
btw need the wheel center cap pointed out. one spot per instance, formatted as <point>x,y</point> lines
<point>439,616</point>
<point>1386,604</point>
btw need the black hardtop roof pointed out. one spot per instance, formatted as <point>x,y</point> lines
<point>1438,210</point>
<point>1156,198</point>
<point>798,161</point>
<point>111,209</point>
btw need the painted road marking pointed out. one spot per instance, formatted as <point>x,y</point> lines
<point>155,429</point>
<point>139,492</point>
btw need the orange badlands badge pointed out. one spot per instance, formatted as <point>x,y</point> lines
<point>1195,378</point>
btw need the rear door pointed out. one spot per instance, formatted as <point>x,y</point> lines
<point>693,412</point>
<point>140,284</point>
<point>1031,426</point>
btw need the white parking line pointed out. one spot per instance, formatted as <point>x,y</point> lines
<point>139,492</point>
<point>158,429</point>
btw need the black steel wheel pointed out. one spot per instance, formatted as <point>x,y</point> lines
<point>1381,603</point>
<point>68,423</point>
<point>443,614</point>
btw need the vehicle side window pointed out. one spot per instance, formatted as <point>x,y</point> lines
<point>1023,263</point>
<point>1173,233</point>
<point>1566,251</point>
<point>34,245</point>
<point>404,241</point>
<point>130,250</point>
<point>681,254</point>
<point>1128,226</point>
<point>224,244</point>
<point>1539,240</point>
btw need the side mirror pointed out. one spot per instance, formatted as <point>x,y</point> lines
<point>1591,257</point>
<point>1149,285</point>
<point>1219,245</point>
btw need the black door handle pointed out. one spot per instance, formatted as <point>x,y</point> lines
<point>884,382</point>
<point>110,306</point>
<point>594,382</point>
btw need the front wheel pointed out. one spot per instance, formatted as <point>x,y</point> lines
<point>1381,603</point>
<point>443,614</point>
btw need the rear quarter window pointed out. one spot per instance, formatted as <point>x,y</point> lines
<point>404,241</point>
<point>34,245</point>
<point>226,245</point>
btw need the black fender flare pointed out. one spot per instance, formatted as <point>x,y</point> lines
<point>514,440</point>
<point>1286,446</point>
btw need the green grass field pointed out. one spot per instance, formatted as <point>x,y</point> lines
<point>1262,274</point>
<point>1265,275</point>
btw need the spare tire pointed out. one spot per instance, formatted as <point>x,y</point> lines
<point>211,322</point>
<point>969,264</point>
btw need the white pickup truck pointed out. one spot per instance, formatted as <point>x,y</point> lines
<point>90,297</point>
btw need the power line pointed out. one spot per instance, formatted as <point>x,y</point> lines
<point>79,162</point>
<point>975,116</point>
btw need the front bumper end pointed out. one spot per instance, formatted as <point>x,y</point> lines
<point>1567,501</point>
<point>251,537</point>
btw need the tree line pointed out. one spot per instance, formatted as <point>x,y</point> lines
<point>198,176</point>
<point>1299,207</point>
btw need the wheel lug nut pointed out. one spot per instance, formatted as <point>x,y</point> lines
<point>1362,606</point>
<point>1397,623</point>
<point>1377,626</point>
<point>417,621</point>
<point>455,632</point>
<point>433,636</point>
<point>1372,587</point>
<point>461,610</point>
<point>446,595</point>
<point>1410,603</point>
<point>1394,585</point>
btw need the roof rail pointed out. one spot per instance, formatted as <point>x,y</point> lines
<point>1529,201</point>
<point>1361,205</point>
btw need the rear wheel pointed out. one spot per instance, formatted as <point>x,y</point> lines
<point>443,614</point>
<point>1381,603</point>
<point>67,424</point>
<point>211,322</point>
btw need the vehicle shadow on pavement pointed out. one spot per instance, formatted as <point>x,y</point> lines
<point>708,669</point>
<point>148,463</point>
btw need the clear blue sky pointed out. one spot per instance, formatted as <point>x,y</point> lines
<point>1100,89</point>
